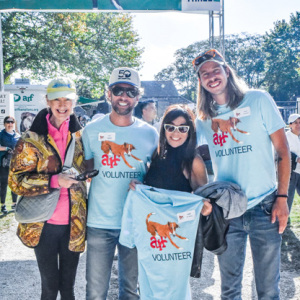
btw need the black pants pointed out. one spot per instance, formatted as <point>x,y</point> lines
<point>57,264</point>
<point>3,185</point>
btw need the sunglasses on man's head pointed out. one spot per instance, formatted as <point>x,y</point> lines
<point>210,54</point>
<point>10,121</point>
<point>130,92</point>
<point>181,128</point>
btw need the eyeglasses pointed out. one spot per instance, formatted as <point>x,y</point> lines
<point>130,92</point>
<point>12,122</point>
<point>210,54</point>
<point>181,128</point>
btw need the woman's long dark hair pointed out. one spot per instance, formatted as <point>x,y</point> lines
<point>172,113</point>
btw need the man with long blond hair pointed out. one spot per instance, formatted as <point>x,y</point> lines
<point>241,127</point>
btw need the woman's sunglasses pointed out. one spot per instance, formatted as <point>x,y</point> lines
<point>12,122</point>
<point>181,128</point>
<point>130,92</point>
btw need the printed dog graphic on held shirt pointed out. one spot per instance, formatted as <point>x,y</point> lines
<point>163,231</point>
<point>119,150</point>
<point>226,126</point>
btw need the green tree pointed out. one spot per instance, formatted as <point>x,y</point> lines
<point>282,48</point>
<point>88,45</point>
<point>181,71</point>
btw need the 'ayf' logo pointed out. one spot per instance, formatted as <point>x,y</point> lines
<point>220,139</point>
<point>110,161</point>
<point>158,243</point>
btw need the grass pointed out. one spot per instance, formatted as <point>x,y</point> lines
<point>7,220</point>
<point>295,212</point>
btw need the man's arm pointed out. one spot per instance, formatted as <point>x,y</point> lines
<point>280,208</point>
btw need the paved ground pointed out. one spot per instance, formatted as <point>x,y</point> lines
<point>19,276</point>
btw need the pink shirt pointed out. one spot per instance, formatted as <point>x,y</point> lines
<point>60,136</point>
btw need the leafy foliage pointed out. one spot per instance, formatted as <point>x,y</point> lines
<point>87,45</point>
<point>282,48</point>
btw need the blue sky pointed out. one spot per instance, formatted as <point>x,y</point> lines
<point>163,33</point>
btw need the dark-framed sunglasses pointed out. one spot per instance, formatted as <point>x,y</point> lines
<point>130,92</point>
<point>208,55</point>
<point>181,128</point>
<point>10,121</point>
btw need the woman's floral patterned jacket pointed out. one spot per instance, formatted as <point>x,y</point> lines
<point>35,159</point>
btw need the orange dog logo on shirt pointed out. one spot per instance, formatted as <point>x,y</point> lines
<point>163,231</point>
<point>226,126</point>
<point>120,150</point>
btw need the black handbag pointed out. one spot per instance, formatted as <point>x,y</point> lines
<point>293,161</point>
<point>6,159</point>
<point>40,208</point>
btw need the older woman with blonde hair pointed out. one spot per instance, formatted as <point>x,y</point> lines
<point>37,168</point>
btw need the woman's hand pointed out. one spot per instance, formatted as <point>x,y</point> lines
<point>207,208</point>
<point>133,183</point>
<point>66,180</point>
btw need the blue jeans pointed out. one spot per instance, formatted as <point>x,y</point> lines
<point>293,186</point>
<point>265,242</point>
<point>101,245</point>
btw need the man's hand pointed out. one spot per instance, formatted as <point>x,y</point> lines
<point>133,183</point>
<point>280,211</point>
<point>207,207</point>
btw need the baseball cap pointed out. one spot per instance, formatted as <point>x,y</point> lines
<point>293,118</point>
<point>210,55</point>
<point>61,87</point>
<point>125,75</point>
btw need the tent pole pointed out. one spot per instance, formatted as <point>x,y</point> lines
<point>1,59</point>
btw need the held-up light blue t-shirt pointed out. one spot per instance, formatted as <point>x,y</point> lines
<point>120,154</point>
<point>164,270</point>
<point>247,156</point>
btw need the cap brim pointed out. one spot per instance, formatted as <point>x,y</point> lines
<point>62,94</point>
<point>222,63</point>
<point>117,82</point>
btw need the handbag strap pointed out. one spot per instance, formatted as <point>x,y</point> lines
<point>70,154</point>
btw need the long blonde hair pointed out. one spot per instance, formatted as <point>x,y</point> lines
<point>236,91</point>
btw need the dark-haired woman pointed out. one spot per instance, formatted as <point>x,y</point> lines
<point>175,165</point>
<point>8,141</point>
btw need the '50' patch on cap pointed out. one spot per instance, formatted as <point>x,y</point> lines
<point>125,75</point>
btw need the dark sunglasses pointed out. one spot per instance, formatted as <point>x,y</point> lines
<point>210,54</point>
<point>130,92</point>
<point>12,122</point>
<point>181,128</point>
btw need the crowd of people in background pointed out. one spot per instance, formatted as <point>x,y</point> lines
<point>230,137</point>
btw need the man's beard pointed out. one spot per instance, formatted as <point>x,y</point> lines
<point>125,112</point>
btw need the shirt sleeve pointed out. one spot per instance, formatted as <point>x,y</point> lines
<point>54,182</point>
<point>127,228</point>
<point>87,145</point>
<point>270,114</point>
<point>201,139</point>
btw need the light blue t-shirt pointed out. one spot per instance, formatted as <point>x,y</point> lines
<point>121,155</point>
<point>164,269</point>
<point>245,156</point>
